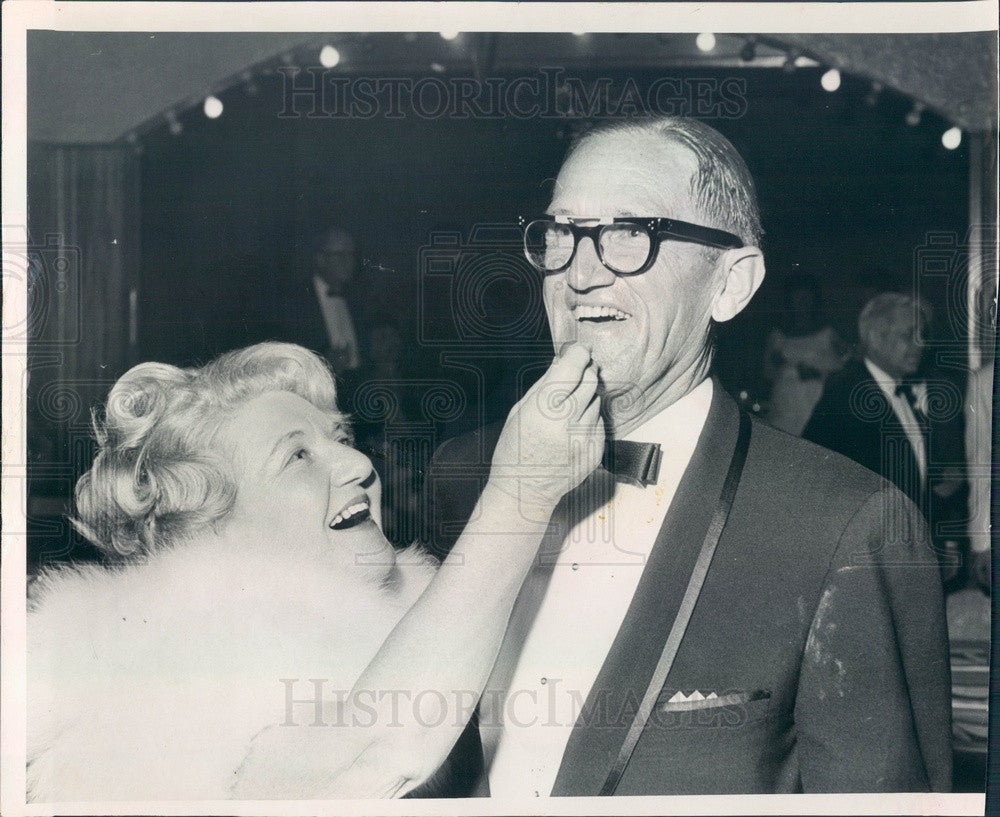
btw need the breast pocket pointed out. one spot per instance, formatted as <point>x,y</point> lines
<point>732,708</point>
<point>724,744</point>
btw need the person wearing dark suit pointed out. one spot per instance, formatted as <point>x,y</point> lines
<point>723,608</point>
<point>315,311</point>
<point>878,412</point>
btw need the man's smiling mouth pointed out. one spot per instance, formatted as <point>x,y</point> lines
<point>599,314</point>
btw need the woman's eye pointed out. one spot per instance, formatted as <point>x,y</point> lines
<point>300,454</point>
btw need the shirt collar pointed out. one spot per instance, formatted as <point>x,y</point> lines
<point>323,289</point>
<point>882,377</point>
<point>679,422</point>
<point>888,384</point>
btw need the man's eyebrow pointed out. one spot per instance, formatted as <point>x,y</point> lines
<point>562,211</point>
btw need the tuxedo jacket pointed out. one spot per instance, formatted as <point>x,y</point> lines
<point>855,419</point>
<point>820,627</point>
<point>300,317</point>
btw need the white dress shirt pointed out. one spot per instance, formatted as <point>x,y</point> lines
<point>339,324</point>
<point>573,603</point>
<point>901,408</point>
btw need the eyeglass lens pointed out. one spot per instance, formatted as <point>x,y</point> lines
<point>622,247</point>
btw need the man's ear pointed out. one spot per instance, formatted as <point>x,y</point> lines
<point>743,272</point>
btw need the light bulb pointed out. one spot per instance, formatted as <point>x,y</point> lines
<point>951,138</point>
<point>329,56</point>
<point>213,107</point>
<point>705,42</point>
<point>913,117</point>
<point>830,80</point>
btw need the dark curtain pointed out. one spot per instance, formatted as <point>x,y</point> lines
<point>83,253</point>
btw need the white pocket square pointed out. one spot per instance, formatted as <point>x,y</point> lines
<point>680,697</point>
<point>680,701</point>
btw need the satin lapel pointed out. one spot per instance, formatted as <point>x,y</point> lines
<point>893,440</point>
<point>607,713</point>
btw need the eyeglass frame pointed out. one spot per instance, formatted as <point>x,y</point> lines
<point>657,228</point>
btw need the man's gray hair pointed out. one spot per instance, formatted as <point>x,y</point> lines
<point>886,308</point>
<point>723,186</point>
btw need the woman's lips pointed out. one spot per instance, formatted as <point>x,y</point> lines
<point>356,511</point>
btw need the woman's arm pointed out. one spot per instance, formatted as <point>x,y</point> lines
<point>413,700</point>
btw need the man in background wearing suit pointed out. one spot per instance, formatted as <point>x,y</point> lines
<point>877,411</point>
<point>316,312</point>
<point>811,656</point>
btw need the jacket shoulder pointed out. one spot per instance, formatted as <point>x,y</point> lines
<point>782,450</point>
<point>808,479</point>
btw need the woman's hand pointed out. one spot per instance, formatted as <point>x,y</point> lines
<point>554,436</point>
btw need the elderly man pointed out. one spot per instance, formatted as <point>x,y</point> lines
<point>878,412</point>
<point>722,608</point>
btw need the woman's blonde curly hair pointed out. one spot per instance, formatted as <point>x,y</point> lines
<point>160,475</point>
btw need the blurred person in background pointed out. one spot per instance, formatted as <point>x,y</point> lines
<point>980,429</point>
<point>383,399</point>
<point>801,352</point>
<point>316,310</point>
<point>901,421</point>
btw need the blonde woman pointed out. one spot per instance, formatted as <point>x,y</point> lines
<point>252,574</point>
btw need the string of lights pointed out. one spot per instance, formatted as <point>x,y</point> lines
<point>748,50</point>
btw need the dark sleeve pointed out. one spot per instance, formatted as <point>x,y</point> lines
<point>455,478</point>
<point>873,709</point>
<point>822,427</point>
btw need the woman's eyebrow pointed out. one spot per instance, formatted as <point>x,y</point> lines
<point>284,438</point>
<point>336,425</point>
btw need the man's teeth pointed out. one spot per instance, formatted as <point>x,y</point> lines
<point>584,313</point>
<point>348,513</point>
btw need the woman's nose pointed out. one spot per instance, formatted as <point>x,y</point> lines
<point>586,271</point>
<point>348,465</point>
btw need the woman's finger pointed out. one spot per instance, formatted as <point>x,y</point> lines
<point>568,369</point>
<point>585,396</point>
<point>591,414</point>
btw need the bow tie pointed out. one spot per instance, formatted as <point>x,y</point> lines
<point>906,390</point>
<point>632,462</point>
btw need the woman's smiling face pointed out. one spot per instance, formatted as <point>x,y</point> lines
<point>302,487</point>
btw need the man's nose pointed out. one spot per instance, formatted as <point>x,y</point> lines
<point>586,271</point>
